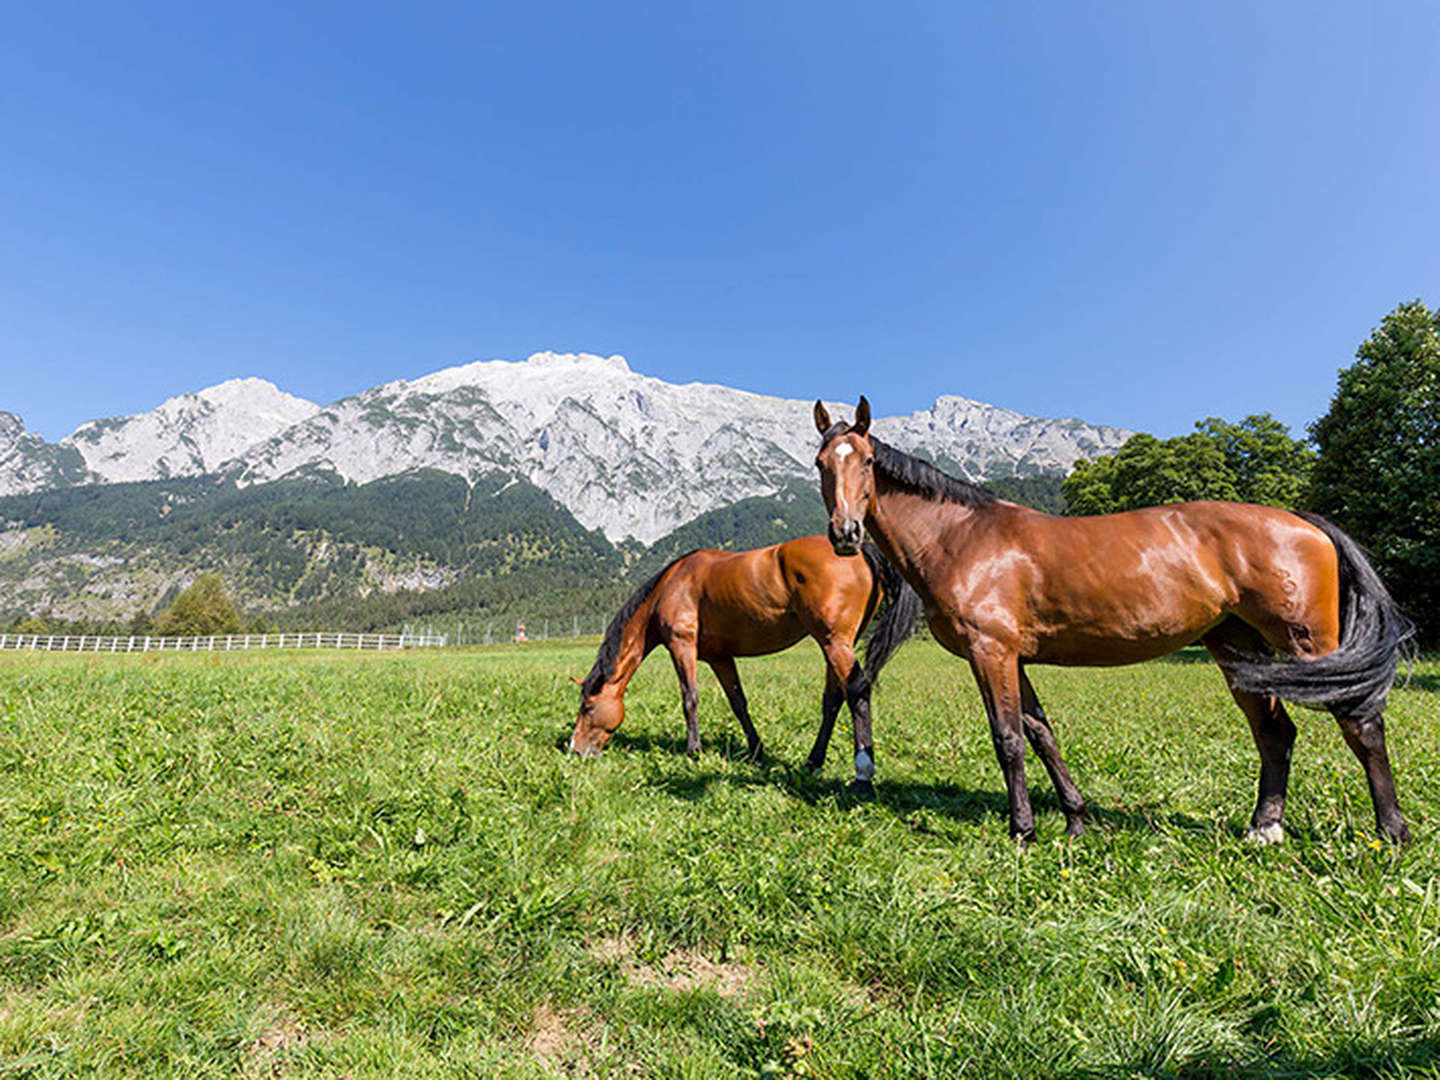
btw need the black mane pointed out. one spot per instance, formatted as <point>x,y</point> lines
<point>921,478</point>
<point>918,477</point>
<point>609,652</point>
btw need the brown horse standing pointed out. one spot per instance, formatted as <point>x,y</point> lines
<point>1004,586</point>
<point>717,605</point>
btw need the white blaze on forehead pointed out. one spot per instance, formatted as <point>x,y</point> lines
<point>844,450</point>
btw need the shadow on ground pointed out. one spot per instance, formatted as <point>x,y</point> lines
<point>1361,1059</point>
<point>901,797</point>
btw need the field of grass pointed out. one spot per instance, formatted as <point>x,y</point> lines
<point>384,865</point>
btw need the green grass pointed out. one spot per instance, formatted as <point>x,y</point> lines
<point>381,865</point>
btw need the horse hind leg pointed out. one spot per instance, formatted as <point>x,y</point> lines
<point>1365,735</point>
<point>1047,748</point>
<point>1270,727</point>
<point>729,677</point>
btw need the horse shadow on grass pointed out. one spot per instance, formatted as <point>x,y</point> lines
<point>1418,681</point>
<point>905,798</point>
<point>1362,1057</point>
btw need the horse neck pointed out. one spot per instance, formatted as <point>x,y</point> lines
<point>636,642</point>
<point>905,526</point>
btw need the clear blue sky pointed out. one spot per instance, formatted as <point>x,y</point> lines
<point>1138,213</point>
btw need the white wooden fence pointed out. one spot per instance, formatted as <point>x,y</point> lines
<point>217,642</point>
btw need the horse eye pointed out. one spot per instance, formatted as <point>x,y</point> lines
<point>869,461</point>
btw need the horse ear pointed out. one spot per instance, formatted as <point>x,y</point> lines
<point>822,417</point>
<point>862,417</point>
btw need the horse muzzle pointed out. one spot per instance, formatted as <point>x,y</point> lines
<point>846,539</point>
<point>584,751</point>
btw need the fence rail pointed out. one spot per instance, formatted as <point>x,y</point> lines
<point>470,630</point>
<point>218,642</point>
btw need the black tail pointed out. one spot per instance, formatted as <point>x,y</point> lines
<point>898,622</point>
<point>1374,634</point>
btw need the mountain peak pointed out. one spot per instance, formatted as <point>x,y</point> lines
<point>615,363</point>
<point>189,434</point>
<point>537,367</point>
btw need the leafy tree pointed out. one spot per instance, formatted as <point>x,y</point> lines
<point>1147,471</point>
<point>203,608</point>
<point>1378,472</point>
<point>1255,460</point>
<point>1268,465</point>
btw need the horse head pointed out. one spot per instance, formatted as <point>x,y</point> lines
<point>847,475</point>
<point>602,711</point>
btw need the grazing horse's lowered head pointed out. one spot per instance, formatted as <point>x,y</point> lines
<point>847,475</point>
<point>602,711</point>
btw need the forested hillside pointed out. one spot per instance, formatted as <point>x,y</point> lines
<point>316,551</point>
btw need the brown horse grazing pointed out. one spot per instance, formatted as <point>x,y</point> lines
<point>1006,587</point>
<point>717,605</point>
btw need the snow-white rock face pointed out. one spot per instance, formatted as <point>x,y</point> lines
<point>188,435</point>
<point>633,455</point>
<point>28,463</point>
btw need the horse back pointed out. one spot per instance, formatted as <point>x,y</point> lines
<point>1115,588</point>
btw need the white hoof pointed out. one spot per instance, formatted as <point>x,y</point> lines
<point>1266,835</point>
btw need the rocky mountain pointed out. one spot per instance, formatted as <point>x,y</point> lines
<point>189,435</point>
<point>634,456</point>
<point>631,455</point>
<point>29,463</point>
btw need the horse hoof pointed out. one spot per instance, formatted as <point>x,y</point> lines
<point>1074,827</point>
<point>1266,835</point>
<point>862,789</point>
<point>756,756</point>
<point>1396,834</point>
<point>813,767</point>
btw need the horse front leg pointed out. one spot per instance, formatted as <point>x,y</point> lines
<point>830,703</point>
<point>997,673</point>
<point>847,672</point>
<point>682,655</point>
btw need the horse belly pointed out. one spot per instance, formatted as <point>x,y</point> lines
<point>725,634</point>
<point>1085,650</point>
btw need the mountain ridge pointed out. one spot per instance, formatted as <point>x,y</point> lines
<point>630,454</point>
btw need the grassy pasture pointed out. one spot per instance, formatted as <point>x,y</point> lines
<point>379,865</point>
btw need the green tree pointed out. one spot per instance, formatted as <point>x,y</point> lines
<point>1268,465</point>
<point>1255,460</point>
<point>203,608</point>
<point>1378,471</point>
<point>1147,471</point>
